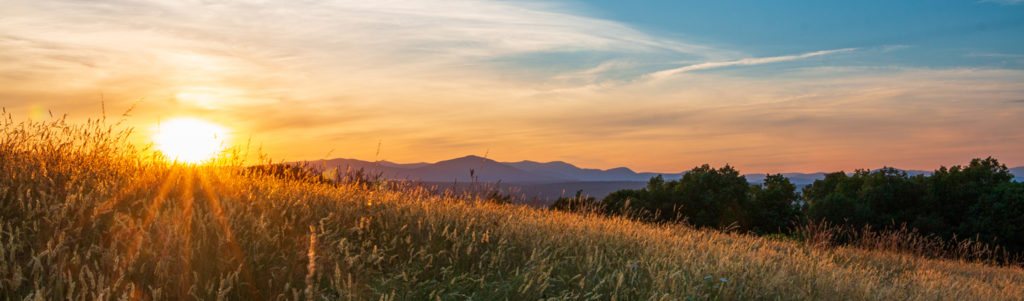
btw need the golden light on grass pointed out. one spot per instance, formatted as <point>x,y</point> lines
<point>190,140</point>
<point>140,229</point>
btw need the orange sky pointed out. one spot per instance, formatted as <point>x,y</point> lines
<point>429,83</point>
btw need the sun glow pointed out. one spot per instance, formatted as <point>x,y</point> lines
<point>190,140</point>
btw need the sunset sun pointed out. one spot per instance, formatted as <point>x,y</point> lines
<point>190,140</point>
<point>512,150</point>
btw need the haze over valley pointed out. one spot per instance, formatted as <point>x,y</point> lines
<point>530,180</point>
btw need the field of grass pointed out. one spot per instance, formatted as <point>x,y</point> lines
<point>84,215</point>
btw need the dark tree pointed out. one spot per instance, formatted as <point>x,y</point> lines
<point>704,196</point>
<point>976,201</point>
<point>999,216</point>
<point>773,205</point>
<point>835,199</point>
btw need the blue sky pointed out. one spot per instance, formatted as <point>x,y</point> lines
<point>917,33</point>
<point>663,86</point>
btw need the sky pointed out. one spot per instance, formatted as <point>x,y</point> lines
<point>663,86</point>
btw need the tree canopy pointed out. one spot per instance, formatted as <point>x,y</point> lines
<point>979,201</point>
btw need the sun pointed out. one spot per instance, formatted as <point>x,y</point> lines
<point>190,140</point>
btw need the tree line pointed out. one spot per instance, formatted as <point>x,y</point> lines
<point>980,202</point>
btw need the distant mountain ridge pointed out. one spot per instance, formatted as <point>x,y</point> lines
<point>488,170</point>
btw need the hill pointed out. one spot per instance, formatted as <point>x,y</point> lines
<point>487,170</point>
<point>85,216</point>
<point>536,180</point>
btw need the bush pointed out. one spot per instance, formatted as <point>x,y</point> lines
<point>773,205</point>
<point>978,201</point>
<point>708,197</point>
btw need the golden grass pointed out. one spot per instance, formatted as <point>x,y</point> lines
<point>83,215</point>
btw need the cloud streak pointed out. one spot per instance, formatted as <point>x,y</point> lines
<point>742,62</point>
<point>1003,2</point>
<point>187,46</point>
<point>525,80</point>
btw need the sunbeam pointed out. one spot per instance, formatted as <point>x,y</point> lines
<point>232,244</point>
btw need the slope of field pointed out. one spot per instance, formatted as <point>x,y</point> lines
<point>85,216</point>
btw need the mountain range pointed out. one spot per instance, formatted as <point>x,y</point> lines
<point>480,169</point>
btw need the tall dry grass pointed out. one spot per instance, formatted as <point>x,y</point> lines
<point>84,215</point>
<point>903,240</point>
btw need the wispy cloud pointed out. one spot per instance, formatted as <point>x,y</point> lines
<point>266,52</point>
<point>995,55</point>
<point>742,62</point>
<point>396,67</point>
<point>803,118</point>
<point>526,80</point>
<point>1004,2</point>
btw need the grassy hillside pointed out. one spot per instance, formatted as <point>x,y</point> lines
<point>83,215</point>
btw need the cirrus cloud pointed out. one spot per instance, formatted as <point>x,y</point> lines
<point>435,80</point>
